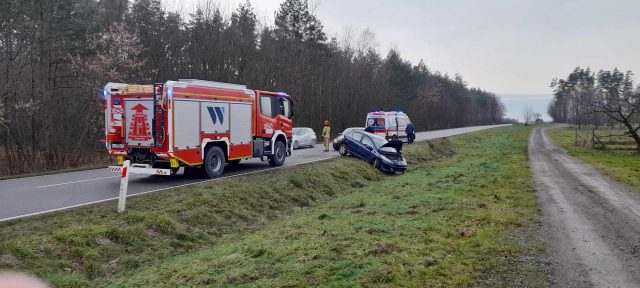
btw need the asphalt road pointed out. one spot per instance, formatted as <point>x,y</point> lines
<point>24,197</point>
<point>591,223</point>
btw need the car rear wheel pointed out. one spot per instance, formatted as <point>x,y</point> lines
<point>343,150</point>
<point>279,154</point>
<point>214,162</point>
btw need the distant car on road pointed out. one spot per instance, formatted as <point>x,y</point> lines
<point>340,138</point>
<point>303,137</point>
<point>382,154</point>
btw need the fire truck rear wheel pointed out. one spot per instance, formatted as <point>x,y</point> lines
<point>214,162</point>
<point>279,153</point>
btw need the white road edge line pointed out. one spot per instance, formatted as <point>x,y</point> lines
<point>210,180</point>
<point>80,181</point>
<point>160,189</point>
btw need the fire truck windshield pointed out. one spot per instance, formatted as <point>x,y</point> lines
<point>271,106</point>
<point>285,108</point>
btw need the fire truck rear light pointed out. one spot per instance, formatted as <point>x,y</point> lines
<point>174,163</point>
<point>114,137</point>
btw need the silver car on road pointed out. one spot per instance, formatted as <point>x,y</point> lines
<point>303,137</point>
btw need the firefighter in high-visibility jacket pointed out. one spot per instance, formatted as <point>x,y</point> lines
<point>326,135</point>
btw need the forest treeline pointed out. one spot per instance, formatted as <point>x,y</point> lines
<point>56,55</point>
<point>590,100</point>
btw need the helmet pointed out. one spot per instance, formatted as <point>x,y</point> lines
<point>326,122</point>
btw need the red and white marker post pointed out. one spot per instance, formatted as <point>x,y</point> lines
<point>124,184</point>
<point>126,169</point>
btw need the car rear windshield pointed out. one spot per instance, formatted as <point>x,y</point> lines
<point>350,130</point>
<point>298,131</point>
<point>379,142</point>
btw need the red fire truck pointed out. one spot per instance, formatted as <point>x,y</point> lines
<point>196,124</point>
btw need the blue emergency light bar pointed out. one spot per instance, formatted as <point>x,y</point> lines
<point>170,92</point>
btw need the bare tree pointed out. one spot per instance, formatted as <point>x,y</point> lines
<point>589,101</point>
<point>622,106</point>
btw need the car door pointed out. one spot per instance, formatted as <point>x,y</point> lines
<point>354,145</point>
<point>367,149</point>
<point>302,140</point>
<point>311,137</point>
<point>297,137</point>
<point>402,126</point>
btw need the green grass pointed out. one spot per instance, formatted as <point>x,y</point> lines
<point>93,246</point>
<point>336,223</point>
<point>441,224</point>
<point>621,165</point>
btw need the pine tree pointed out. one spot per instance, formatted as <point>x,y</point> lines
<point>113,11</point>
<point>146,20</point>
<point>244,40</point>
<point>295,21</point>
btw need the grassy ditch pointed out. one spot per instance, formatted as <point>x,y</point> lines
<point>441,224</point>
<point>620,164</point>
<point>335,223</point>
<point>93,246</point>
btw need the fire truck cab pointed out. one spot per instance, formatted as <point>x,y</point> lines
<point>196,124</point>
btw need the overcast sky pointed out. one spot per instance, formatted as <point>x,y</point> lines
<point>512,48</point>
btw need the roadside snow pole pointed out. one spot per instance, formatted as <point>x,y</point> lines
<point>124,183</point>
<point>128,168</point>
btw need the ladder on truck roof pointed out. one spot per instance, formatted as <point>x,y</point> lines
<point>213,84</point>
<point>122,88</point>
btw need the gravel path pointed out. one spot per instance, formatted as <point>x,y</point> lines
<point>591,223</point>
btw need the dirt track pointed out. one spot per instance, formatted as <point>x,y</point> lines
<point>591,223</point>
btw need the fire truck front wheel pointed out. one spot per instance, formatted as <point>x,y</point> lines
<point>279,153</point>
<point>213,162</point>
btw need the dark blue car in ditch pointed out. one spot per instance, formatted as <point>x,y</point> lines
<point>382,154</point>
